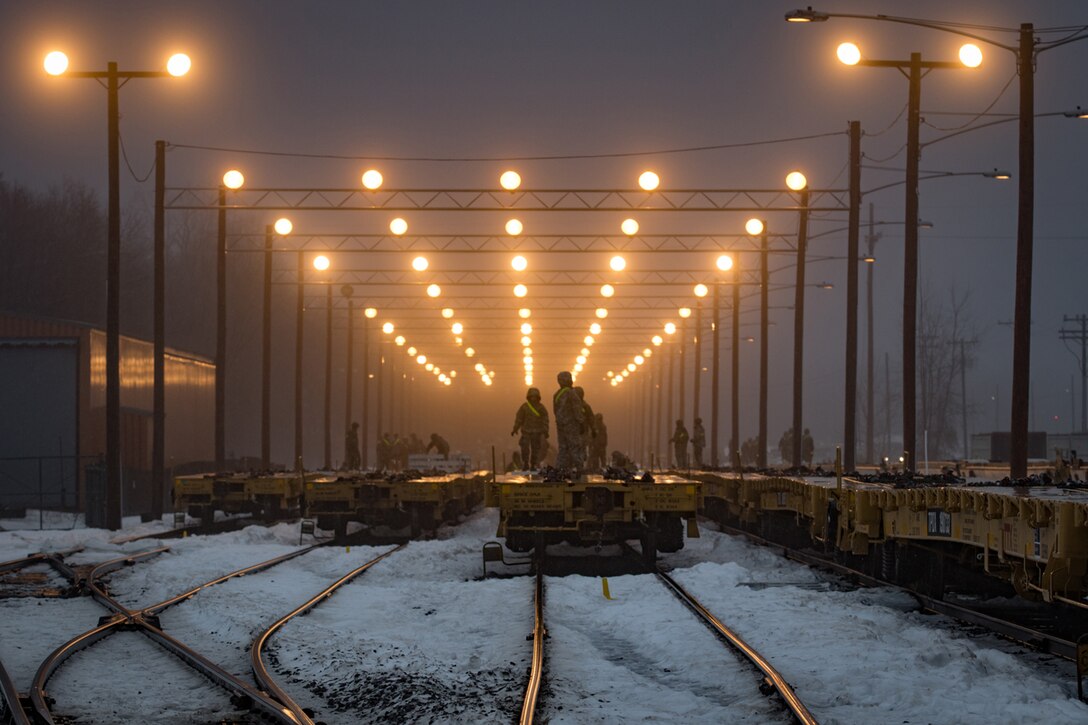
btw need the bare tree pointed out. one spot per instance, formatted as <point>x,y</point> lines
<point>945,329</point>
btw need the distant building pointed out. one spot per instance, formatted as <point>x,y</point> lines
<point>994,447</point>
<point>53,412</point>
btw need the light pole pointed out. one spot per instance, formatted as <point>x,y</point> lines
<point>282,227</point>
<point>56,64</point>
<point>1026,51</point>
<point>797,182</point>
<point>368,314</point>
<point>349,373</point>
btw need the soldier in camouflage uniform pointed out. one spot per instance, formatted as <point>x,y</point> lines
<point>679,442</point>
<point>569,421</point>
<point>589,426</point>
<point>532,421</point>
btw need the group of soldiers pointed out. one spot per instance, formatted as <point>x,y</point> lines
<point>393,451</point>
<point>680,439</point>
<point>582,434</point>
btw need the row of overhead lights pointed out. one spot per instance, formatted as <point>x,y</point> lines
<point>444,378</point>
<point>526,330</point>
<point>458,329</point>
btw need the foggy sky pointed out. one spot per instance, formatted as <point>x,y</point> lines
<point>505,79</point>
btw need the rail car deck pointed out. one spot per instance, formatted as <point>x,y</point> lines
<point>272,495</point>
<point>594,510</point>
<point>1035,538</point>
<point>419,503</point>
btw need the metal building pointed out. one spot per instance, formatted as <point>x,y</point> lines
<point>53,412</point>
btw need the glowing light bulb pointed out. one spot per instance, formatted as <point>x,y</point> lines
<point>510,180</point>
<point>470,352</point>
<point>233,179</point>
<point>398,226</point>
<point>639,359</point>
<point>700,290</point>
<point>433,290</point>
<point>526,328</point>
<point>519,263</point>
<point>412,352</point>
<point>526,341</point>
<point>588,340</point>
<point>283,226</point>
<point>400,340</point>
<point>754,226</point>
<point>796,181</point>
<point>370,312</point>
<point>525,313</point>
<point>514,227</point>
<point>595,328</point>
<point>321,263</point>
<point>631,367</point>
<point>520,290</point>
<point>601,313</point>
<point>421,359</point>
<point>617,263</point>
<point>429,367</point>
<point>670,328</point>
<point>179,64</point>
<point>657,339</point>
<point>581,359</point>
<point>971,55</point>
<point>420,264</point>
<point>56,63</point>
<point>848,53</point>
<point>648,180</point>
<point>725,263</point>
<point>447,312</point>
<point>372,179</point>
<point>629,227</point>
<point>387,328</point>
<point>607,290</point>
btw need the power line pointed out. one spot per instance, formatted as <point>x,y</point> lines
<point>464,159</point>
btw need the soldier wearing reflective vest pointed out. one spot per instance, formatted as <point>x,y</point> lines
<point>532,420</point>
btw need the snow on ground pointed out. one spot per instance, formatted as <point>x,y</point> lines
<point>641,657</point>
<point>419,626</point>
<point>868,656</point>
<point>415,639</point>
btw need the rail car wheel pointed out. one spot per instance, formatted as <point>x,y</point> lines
<point>1021,582</point>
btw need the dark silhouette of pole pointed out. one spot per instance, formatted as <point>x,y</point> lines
<point>266,354</point>
<point>697,359</point>
<point>680,364</point>
<point>158,434</point>
<point>328,377</point>
<point>851,402</point>
<point>669,397</point>
<point>300,308</point>
<point>1072,334</point>
<point>799,328</point>
<point>715,388</point>
<point>113,308</point>
<point>221,333</point>
<point>660,409</point>
<point>910,263</point>
<point>963,399</point>
<point>764,331</point>
<point>734,440</point>
<point>379,384</point>
<point>365,422</point>
<point>349,372</point>
<point>870,419</point>
<point>1025,224</point>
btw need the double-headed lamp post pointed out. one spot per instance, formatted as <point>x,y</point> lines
<point>56,64</point>
<point>970,57</point>
<point>1026,51</point>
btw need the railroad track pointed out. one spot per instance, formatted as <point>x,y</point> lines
<point>770,682</point>
<point>38,705</point>
<point>1007,627</point>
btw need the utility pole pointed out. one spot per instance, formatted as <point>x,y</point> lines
<point>870,420</point>
<point>850,413</point>
<point>1079,335</point>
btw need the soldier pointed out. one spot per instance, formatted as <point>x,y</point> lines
<point>698,442</point>
<point>532,421</point>
<point>569,420</point>
<point>352,459</point>
<point>589,426</point>
<point>599,450</point>
<point>385,452</point>
<point>441,447</point>
<point>679,442</point>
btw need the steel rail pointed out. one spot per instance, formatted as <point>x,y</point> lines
<point>98,592</point>
<point>536,673</point>
<point>260,672</point>
<point>10,694</point>
<point>139,619</point>
<point>1035,639</point>
<point>27,560</point>
<point>771,675</point>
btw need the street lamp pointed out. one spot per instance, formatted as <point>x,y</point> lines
<point>282,227</point>
<point>56,64</point>
<point>1026,51</point>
